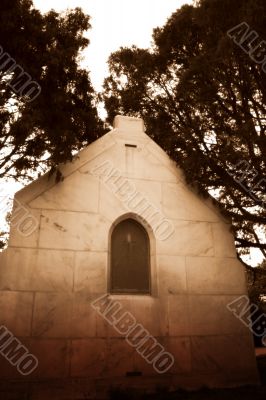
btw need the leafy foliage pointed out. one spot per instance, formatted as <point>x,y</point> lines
<point>63,118</point>
<point>2,240</point>
<point>257,285</point>
<point>203,101</point>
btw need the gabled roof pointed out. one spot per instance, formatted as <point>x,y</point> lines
<point>127,129</point>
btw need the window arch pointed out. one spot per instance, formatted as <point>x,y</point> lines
<point>130,258</point>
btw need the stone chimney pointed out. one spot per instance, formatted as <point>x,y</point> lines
<point>129,124</point>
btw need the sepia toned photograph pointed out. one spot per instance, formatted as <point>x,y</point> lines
<point>132,200</point>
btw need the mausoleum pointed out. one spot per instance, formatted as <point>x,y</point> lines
<point>120,275</point>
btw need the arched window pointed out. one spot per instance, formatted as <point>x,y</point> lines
<point>130,258</point>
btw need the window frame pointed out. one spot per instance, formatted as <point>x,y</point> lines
<point>152,270</point>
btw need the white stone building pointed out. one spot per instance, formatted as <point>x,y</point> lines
<point>123,222</point>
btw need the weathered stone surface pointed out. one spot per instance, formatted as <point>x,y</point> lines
<point>16,312</point>
<point>2,259</point>
<point>52,361</point>
<point>88,357</point>
<point>129,124</point>
<point>53,356</point>
<point>215,275</point>
<point>223,240</point>
<point>84,317</point>
<point>178,317</point>
<point>146,312</point>
<point>73,231</point>
<point>85,156</point>
<point>120,357</point>
<point>50,280</point>
<point>122,196</point>
<point>190,238</point>
<point>109,204</point>
<point>141,365</point>
<point>91,272</point>
<point>69,194</point>
<point>172,275</point>
<point>209,315</point>
<point>226,354</point>
<point>37,270</point>
<point>24,228</point>
<point>54,271</point>
<point>107,163</point>
<point>8,372</point>
<point>180,348</point>
<point>52,315</point>
<point>120,306</point>
<point>180,202</point>
<point>16,273</point>
<point>145,164</point>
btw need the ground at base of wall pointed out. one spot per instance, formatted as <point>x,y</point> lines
<point>243,393</point>
<point>20,392</point>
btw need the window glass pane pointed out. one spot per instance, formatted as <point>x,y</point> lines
<point>130,271</point>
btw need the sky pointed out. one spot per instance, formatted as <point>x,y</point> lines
<point>114,23</point>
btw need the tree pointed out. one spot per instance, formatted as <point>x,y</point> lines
<point>2,240</point>
<point>257,285</point>
<point>47,103</point>
<point>202,98</point>
<point>257,294</point>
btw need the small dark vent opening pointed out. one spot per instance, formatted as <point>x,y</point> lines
<point>130,145</point>
<point>134,373</point>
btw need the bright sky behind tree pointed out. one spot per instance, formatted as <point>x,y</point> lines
<point>114,23</point>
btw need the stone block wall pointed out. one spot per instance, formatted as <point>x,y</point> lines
<point>49,279</point>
